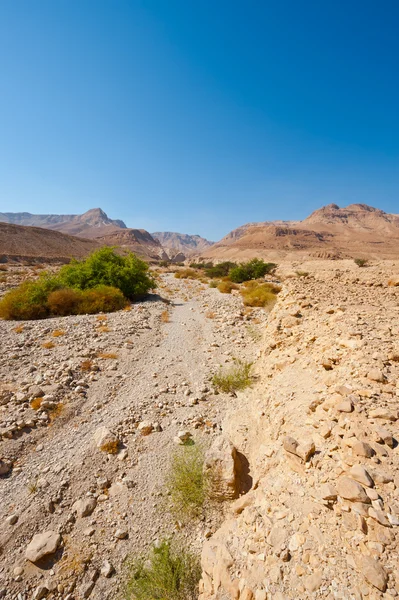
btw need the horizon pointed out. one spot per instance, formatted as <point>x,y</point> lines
<point>176,117</point>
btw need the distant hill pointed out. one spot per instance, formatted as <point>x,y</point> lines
<point>181,243</point>
<point>18,242</point>
<point>91,224</point>
<point>138,241</point>
<point>355,231</point>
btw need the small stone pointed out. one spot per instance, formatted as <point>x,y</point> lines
<point>5,467</point>
<point>290,444</point>
<point>379,516</point>
<point>107,569</point>
<point>345,406</point>
<point>376,375</point>
<point>363,449</point>
<point>328,492</point>
<point>84,507</point>
<point>373,572</point>
<point>306,450</point>
<point>106,441</point>
<point>314,581</point>
<point>41,545</point>
<point>360,474</point>
<point>40,592</point>
<point>12,519</point>
<point>121,534</point>
<point>352,490</point>
<point>382,413</point>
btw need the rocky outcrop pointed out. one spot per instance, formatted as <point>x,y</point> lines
<point>322,518</point>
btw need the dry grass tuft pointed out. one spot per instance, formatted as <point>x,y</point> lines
<point>36,403</point>
<point>48,345</point>
<point>86,365</point>
<point>210,314</point>
<point>111,447</point>
<point>234,379</point>
<point>103,329</point>
<point>110,355</point>
<point>101,318</point>
<point>226,287</point>
<point>260,294</point>
<point>165,317</point>
<point>58,333</point>
<point>19,329</point>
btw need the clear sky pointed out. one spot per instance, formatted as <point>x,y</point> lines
<point>198,115</point>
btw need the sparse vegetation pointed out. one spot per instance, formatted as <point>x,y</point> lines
<point>170,572</point>
<point>188,274</point>
<point>165,316</point>
<point>108,355</point>
<point>186,482</point>
<point>213,284</point>
<point>86,365</point>
<point>220,270</point>
<point>234,379</point>
<point>225,287</point>
<point>302,273</point>
<point>48,345</point>
<point>253,269</point>
<point>260,294</point>
<point>58,333</point>
<point>361,262</point>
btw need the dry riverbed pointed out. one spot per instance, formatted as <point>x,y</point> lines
<point>145,370</point>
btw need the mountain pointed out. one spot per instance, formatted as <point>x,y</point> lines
<point>19,242</point>
<point>181,243</point>
<point>93,223</point>
<point>357,230</point>
<point>138,241</point>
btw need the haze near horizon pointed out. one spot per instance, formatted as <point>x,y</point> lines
<point>196,117</point>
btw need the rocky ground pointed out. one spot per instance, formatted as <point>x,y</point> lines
<point>71,390</point>
<point>320,432</point>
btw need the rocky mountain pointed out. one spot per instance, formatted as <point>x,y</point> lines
<point>181,243</point>
<point>18,242</point>
<point>330,232</point>
<point>91,224</point>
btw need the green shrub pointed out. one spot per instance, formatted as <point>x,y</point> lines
<point>261,295</point>
<point>105,267</point>
<point>186,483</point>
<point>220,270</point>
<point>207,265</point>
<point>213,284</point>
<point>236,378</point>
<point>253,269</point>
<point>225,287</point>
<point>170,572</point>
<point>361,262</point>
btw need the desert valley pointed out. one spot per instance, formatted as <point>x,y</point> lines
<point>242,411</point>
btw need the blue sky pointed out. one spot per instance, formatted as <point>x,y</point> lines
<point>195,115</point>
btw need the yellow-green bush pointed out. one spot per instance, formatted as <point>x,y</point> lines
<point>262,295</point>
<point>225,287</point>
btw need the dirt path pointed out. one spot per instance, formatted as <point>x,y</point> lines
<point>161,375</point>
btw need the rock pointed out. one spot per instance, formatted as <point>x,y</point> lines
<point>360,474</point>
<point>379,516</point>
<point>220,464</point>
<point>345,406</point>
<point>305,450</point>
<point>36,392</point>
<point>106,441</point>
<point>290,444</point>
<point>314,581</point>
<point>328,492</point>
<point>383,413</point>
<point>107,569</point>
<point>5,467</point>
<point>351,490</point>
<point>40,592</point>
<point>384,435</point>
<point>84,507</point>
<point>376,375</point>
<point>121,534</point>
<point>12,519</point>
<point>363,449</point>
<point>42,544</point>
<point>373,572</point>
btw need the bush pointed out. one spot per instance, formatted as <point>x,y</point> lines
<point>361,262</point>
<point>26,302</point>
<point>254,269</point>
<point>234,379</point>
<point>77,302</point>
<point>107,268</point>
<point>170,572</point>
<point>188,274</point>
<point>207,265</point>
<point>260,295</point>
<point>225,287</point>
<point>186,482</point>
<point>213,284</point>
<point>220,270</point>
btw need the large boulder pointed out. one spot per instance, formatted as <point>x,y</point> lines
<point>221,469</point>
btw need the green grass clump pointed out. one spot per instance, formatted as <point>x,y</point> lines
<point>170,572</point>
<point>253,269</point>
<point>225,287</point>
<point>361,262</point>
<point>186,482</point>
<point>234,379</point>
<point>260,294</point>
<point>101,283</point>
